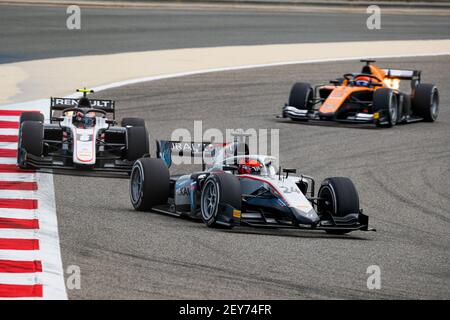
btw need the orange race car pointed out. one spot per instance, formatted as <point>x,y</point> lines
<point>371,96</point>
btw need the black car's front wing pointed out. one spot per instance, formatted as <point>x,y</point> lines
<point>56,164</point>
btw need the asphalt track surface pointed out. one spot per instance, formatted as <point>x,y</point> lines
<point>38,32</point>
<point>401,173</point>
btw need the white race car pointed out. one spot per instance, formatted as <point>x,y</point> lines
<point>81,138</point>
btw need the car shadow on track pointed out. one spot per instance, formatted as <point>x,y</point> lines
<point>263,231</point>
<point>315,123</point>
<point>293,233</point>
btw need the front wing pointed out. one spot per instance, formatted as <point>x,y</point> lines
<point>351,222</point>
<point>304,115</point>
<point>57,164</point>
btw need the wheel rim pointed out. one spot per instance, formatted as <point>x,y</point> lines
<point>434,105</point>
<point>136,184</point>
<point>210,200</point>
<point>393,110</point>
<point>309,97</point>
<point>328,206</point>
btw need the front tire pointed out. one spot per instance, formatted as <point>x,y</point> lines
<point>340,199</point>
<point>218,191</point>
<point>149,184</point>
<point>301,96</point>
<point>385,102</point>
<point>425,102</point>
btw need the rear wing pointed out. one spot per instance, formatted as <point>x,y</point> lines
<point>401,74</point>
<point>165,149</point>
<point>59,104</point>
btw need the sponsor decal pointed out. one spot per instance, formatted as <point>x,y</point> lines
<point>210,141</point>
<point>184,191</point>
<point>284,204</point>
<point>95,103</point>
<point>84,137</point>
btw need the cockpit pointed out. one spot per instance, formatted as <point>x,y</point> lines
<point>83,118</point>
<point>253,165</point>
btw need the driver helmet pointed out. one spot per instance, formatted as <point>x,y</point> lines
<point>87,119</point>
<point>78,116</point>
<point>249,166</point>
<point>362,81</point>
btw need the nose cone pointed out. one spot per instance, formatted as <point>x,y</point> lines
<point>306,217</point>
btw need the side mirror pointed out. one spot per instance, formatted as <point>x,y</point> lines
<point>229,168</point>
<point>289,170</point>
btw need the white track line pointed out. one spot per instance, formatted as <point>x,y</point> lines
<point>15,176</point>
<point>9,132</point>
<point>16,194</point>
<point>18,213</point>
<point>50,252</point>
<point>20,255</point>
<point>8,160</point>
<point>20,278</point>
<point>254,66</point>
<point>18,233</point>
<point>8,145</point>
<point>10,118</point>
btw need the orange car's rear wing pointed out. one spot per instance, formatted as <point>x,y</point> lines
<point>402,74</point>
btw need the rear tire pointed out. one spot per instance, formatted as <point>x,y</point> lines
<point>385,102</point>
<point>31,116</point>
<point>149,184</point>
<point>132,122</point>
<point>137,143</point>
<point>341,199</point>
<point>425,102</point>
<point>219,189</point>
